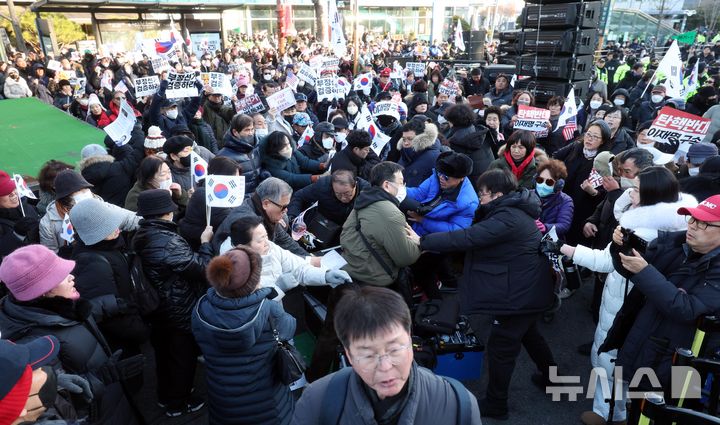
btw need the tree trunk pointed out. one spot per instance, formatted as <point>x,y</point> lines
<point>321,21</point>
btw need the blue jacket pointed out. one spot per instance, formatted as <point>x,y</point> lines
<point>557,210</point>
<point>448,215</point>
<point>236,338</point>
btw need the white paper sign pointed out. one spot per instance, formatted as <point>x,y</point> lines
<point>181,85</point>
<point>159,64</point>
<point>332,260</point>
<point>307,74</point>
<point>417,68</point>
<point>250,105</point>
<point>120,129</point>
<point>146,86</point>
<point>219,82</point>
<point>54,65</point>
<point>281,100</point>
<point>326,88</point>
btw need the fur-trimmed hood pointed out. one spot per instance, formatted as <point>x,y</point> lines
<point>423,140</point>
<point>646,221</point>
<point>95,160</point>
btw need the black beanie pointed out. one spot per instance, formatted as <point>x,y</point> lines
<point>454,164</point>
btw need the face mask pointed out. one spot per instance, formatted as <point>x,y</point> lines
<point>619,102</point>
<point>328,142</point>
<point>340,138</point>
<point>261,132</point>
<point>286,152</point>
<point>171,113</point>
<point>657,98</point>
<point>185,161</point>
<point>626,183</point>
<point>523,102</point>
<point>694,171</point>
<point>594,104</point>
<point>165,184</point>
<point>48,392</point>
<point>267,77</point>
<point>352,110</point>
<point>402,193</point>
<point>86,194</point>
<point>289,118</point>
<point>543,190</point>
<point>301,83</point>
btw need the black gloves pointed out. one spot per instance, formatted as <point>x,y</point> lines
<point>116,370</point>
<point>26,226</point>
<point>549,246</point>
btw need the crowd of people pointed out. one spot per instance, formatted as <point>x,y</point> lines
<point>457,198</point>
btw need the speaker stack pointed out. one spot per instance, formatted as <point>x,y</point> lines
<point>554,47</point>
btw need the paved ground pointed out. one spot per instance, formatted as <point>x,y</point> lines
<point>571,326</point>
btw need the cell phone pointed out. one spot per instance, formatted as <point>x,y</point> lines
<point>632,241</point>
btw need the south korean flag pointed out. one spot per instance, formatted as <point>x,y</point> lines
<point>224,191</point>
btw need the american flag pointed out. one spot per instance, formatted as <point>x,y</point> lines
<point>569,130</point>
<point>291,80</point>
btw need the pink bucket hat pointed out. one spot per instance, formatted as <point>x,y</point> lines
<point>33,270</point>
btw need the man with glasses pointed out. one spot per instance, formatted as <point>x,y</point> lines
<point>679,278</point>
<point>384,384</point>
<point>270,202</point>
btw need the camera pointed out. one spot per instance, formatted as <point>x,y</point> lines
<point>632,241</point>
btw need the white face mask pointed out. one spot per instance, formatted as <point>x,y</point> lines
<point>594,104</point>
<point>87,194</point>
<point>694,171</point>
<point>619,102</point>
<point>626,183</point>
<point>402,193</point>
<point>172,113</point>
<point>328,142</point>
<point>340,138</point>
<point>261,132</point>
<point>301,83</point>
<point>352,110</point>
<point>657,98</point>
<point>165,184</point>
<point>286,152</point>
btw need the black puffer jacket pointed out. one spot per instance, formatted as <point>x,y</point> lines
<point>83,349</point>
<point>177,271</point>
<point>621,142</point>
<point>347,160</point>
<point>505,272</point>
<point>9,218</point>
<point>328,204</point>
<point>114,175</point>
<point>103,269</point>
<point>193,224</point>
<point>246,155</point>
<point>471,141</point>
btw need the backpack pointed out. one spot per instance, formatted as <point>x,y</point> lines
<point>144,294</point>
<point>336,392</point>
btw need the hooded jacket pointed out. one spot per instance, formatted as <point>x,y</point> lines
<point>218,116</point>
<point>347,160</point>
<point>383,225</point>
<point>15,89</point>
<point>419,159</point>
<point>246,155</point>
<point>472,142</point>
<point>505,272</point>
<point>114,175</point>
<point>236,339</point>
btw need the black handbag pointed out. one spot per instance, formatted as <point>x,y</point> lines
<point>438,316</point>
<point>289,362</point>
<point>326,231</point>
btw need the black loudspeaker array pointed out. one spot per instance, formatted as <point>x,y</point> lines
<point>554,47</point>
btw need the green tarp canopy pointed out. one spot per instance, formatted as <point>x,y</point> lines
<point>32,132</point>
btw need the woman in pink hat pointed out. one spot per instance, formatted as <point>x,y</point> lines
<point>43,301</point>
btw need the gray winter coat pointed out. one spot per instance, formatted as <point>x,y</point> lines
<point>431,401</point>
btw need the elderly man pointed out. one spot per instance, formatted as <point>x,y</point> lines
<point>270,201</point>
<point>335,195</point>
<point>679,278</point>
<point>384,384</point>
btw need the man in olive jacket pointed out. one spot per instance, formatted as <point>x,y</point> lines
<point>383,225</point>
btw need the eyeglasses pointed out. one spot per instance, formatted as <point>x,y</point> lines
<point>369,363</point>
<point>702,225</point>
<point>345,195</point>
<point>590,136</point>
<point>282,207</point>
<point>549,182</point>
<point>485,194</point>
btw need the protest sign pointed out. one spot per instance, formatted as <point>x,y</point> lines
<point>672,125</point>
<point>205,42</point>
<point>307,74</point>
<point>249,105</point>
<point>316,61</point>
<point>120,129</point>
<point>146,86</point>
<point>54,65</point>
<point>532,119</point>
<point>218,82</point>
<point>159,64</point>
<point>596,180</point>
<point>450,88</point>
<point>387,108</point>
<point>281,100</point>
<point>329,65</point>
<point>121,87</point>
<point>326,88</point>
<point>181,85</point>
<point>417,68</point>
<point>66,74</point>
<point>78,85</point>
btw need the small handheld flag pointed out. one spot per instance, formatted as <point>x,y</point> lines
<point>68,233</point>
<point>198,167</point>
<point>22,188</point>
<point>224,191</point>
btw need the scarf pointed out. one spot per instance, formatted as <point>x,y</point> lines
<point>590,154</point>
<point>518,170</point>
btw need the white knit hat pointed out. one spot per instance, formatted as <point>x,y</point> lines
<point>154,139</point>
